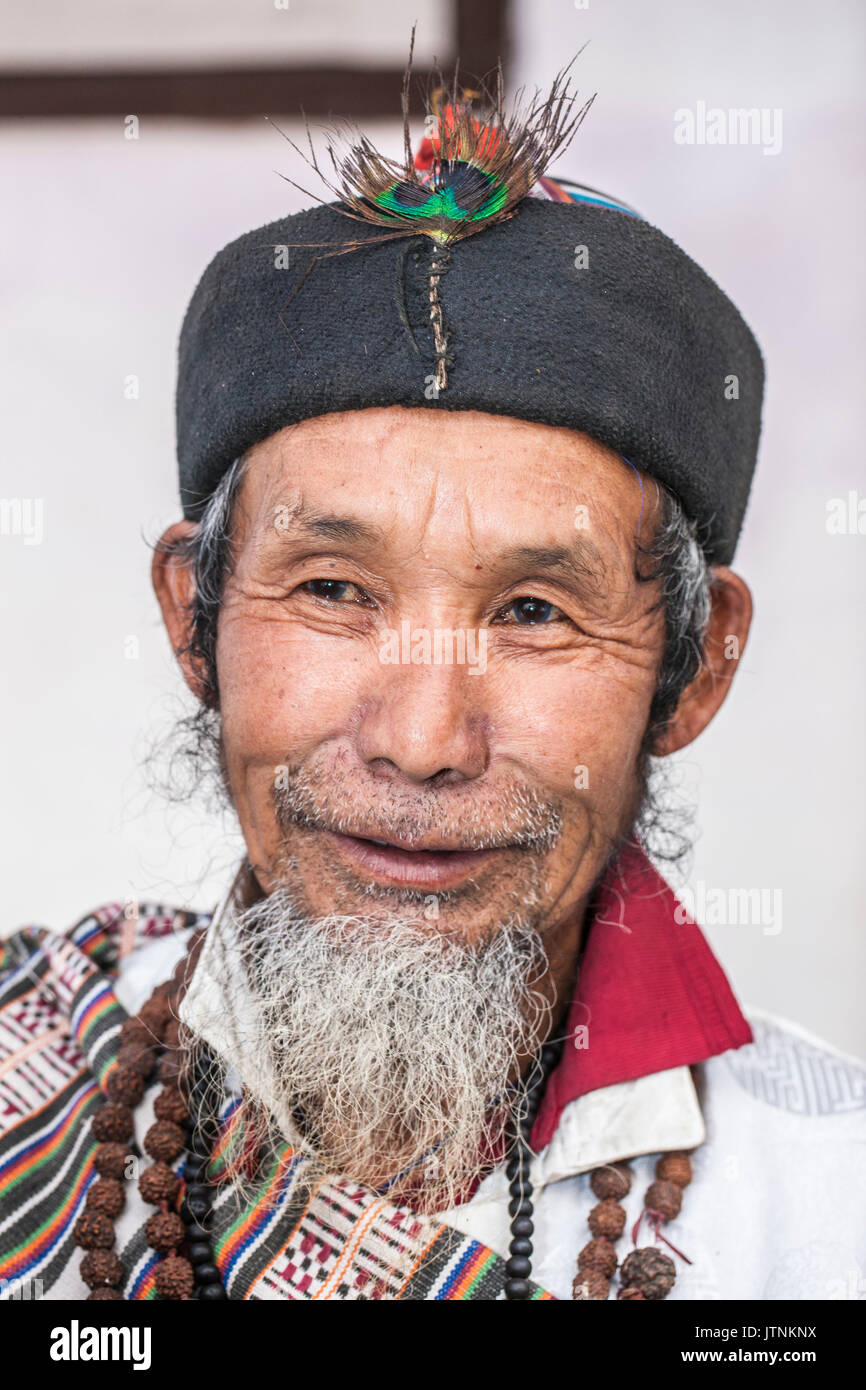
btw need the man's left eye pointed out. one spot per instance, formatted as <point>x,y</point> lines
<point>336,590</point>
<point>528,610</point>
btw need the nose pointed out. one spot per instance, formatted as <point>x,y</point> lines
<point>425,722</point>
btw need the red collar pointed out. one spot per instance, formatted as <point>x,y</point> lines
<point>651,995</point>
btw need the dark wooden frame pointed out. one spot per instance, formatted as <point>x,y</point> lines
<point>480,39</point>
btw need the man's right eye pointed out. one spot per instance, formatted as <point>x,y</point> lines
<point>335,590</point>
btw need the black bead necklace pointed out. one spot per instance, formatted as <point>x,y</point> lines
<point>195,1208</point>
<point>196,1213</point>
<point>518,1267</point>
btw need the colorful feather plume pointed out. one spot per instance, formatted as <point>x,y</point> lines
<point>476,163</point>
<point>474,167</point>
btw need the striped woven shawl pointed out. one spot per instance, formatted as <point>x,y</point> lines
<point>60,1021</point>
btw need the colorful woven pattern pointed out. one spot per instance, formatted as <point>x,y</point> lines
<point>60,1022</point>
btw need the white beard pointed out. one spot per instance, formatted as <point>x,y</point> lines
<point>388,1045</point>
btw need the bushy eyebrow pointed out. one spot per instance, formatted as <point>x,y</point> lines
<point>302,521</point>
<point>582,561</point>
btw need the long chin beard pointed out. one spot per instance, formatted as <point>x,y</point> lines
<point>394,1050</point>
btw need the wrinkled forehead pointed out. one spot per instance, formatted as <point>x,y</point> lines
<point>462,483</point>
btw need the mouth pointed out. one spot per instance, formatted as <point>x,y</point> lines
<point>421,865</point>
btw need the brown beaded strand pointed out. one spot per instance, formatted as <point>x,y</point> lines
<point>597,1261</point>
<point>143,1037</point>
<point>647,1273</point>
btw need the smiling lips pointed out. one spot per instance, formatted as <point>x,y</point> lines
<point>424,867</point>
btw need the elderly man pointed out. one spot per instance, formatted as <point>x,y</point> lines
<point>464,457</point>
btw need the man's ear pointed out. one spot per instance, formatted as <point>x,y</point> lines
<point>725,640</point>
<point>174,583</point>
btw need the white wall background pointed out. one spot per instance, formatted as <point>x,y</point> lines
<point>102,242</point>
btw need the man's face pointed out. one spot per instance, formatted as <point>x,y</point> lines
<point>500,774</point>
<point>435,668</point>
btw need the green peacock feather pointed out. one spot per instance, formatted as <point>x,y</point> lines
<point>453,199</point>
<point>483,160</point>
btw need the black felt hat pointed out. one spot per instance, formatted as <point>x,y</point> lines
<point>574,313</point>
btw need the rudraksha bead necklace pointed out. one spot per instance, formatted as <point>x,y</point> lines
<point>647,1273</point>
<point>149,1045</point>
